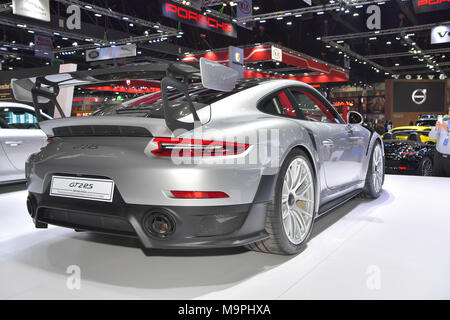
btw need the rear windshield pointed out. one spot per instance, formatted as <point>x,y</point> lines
<point>151,105</point>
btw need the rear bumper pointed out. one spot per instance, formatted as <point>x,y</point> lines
<point>193,226</point>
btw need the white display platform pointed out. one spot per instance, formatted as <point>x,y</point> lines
<point>397,246</point>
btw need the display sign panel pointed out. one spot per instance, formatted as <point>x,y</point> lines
<point>36,9</point>
<point>419,96</point>
<point>178,12</point>
<point>440,34</point>
<point>236,60</point>
<point>43,46</point>
<point>111,52</point>
<point>277,54</point>
<point>244,9</point>
<point>421,6</point>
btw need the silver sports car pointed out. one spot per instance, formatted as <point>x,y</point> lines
<point>20,136</point>
<point>220,163</point>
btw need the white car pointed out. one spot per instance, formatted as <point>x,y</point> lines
<point>20,136</point>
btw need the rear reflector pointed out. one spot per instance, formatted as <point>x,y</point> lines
<point>402,168</point>
<point>178,147</point>
<point>199,194</point>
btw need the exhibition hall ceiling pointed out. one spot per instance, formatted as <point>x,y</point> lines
<point>375,40</point>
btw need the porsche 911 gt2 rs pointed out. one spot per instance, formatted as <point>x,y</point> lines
<point>252,164</point>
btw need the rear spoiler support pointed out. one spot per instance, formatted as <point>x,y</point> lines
<point>37,91</point>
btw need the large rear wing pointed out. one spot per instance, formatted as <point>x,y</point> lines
<point>45,89</point>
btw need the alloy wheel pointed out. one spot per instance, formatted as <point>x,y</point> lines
<point>297,201</point>
<point>377,168</point>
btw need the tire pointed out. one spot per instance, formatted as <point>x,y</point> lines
<point>374,185</point>
<point>426,167</point>
<point>287,236</point>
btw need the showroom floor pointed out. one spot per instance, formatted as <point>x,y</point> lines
<point>394,247</point>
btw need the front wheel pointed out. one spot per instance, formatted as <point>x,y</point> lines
<point>426,167</point>
<point>375,174</point>
<point>290,216</point>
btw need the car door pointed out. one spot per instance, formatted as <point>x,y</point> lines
<point>341,147</point>
<point>21,136</point>
<point>7,171</point>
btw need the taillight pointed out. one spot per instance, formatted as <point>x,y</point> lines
<point>408,152</point>
<point>199,194</point>
<point>48,141</point>
<point>178,147</point>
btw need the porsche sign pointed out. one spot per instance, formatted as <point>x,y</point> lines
<point>188,15</point>
<point>421,6</point>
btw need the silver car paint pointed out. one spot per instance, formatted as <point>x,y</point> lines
<point>340,154</point>
<point>17,145</point>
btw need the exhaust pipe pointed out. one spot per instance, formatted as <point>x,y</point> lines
<point>31,206</point>
<point>159,224</point>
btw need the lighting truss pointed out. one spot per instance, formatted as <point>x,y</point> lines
<point>306,10</point>
<point>13,22</point>
<point>415,66</point>
<point>424,71</point>
<point>359,57</point>
<point>16,45</point>
<point>405,54</point>
<point>377,33</point>
<point>116,42</point>
<point>5,7</point>
<point>117,15</point>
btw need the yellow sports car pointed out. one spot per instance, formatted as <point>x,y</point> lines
<point>416,133</point>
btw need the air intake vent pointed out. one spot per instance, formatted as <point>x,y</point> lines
<point>102,131</point>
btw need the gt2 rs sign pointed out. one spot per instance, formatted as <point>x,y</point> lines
<point>421,6</point>
<point>187,15</point>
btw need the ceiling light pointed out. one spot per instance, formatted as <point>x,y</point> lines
<point>98,15</point>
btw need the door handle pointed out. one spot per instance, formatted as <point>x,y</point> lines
<point>13,143</point>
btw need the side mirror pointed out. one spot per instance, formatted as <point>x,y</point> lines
<point>354,117</point>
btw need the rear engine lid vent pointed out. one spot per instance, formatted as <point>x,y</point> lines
<point>101,130</point>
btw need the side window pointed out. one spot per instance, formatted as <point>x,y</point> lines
<point>312,108</point>
<point>17,118</point>
<point>279,104</point>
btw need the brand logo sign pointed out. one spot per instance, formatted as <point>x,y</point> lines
<point>245,9</point>
<point>421,6</point>
<point>236,60</point>
<point>187,15</point>
<point>36,9</point>
<point>440,34</point>
<point>419,96</point>
<point>277,54</point>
